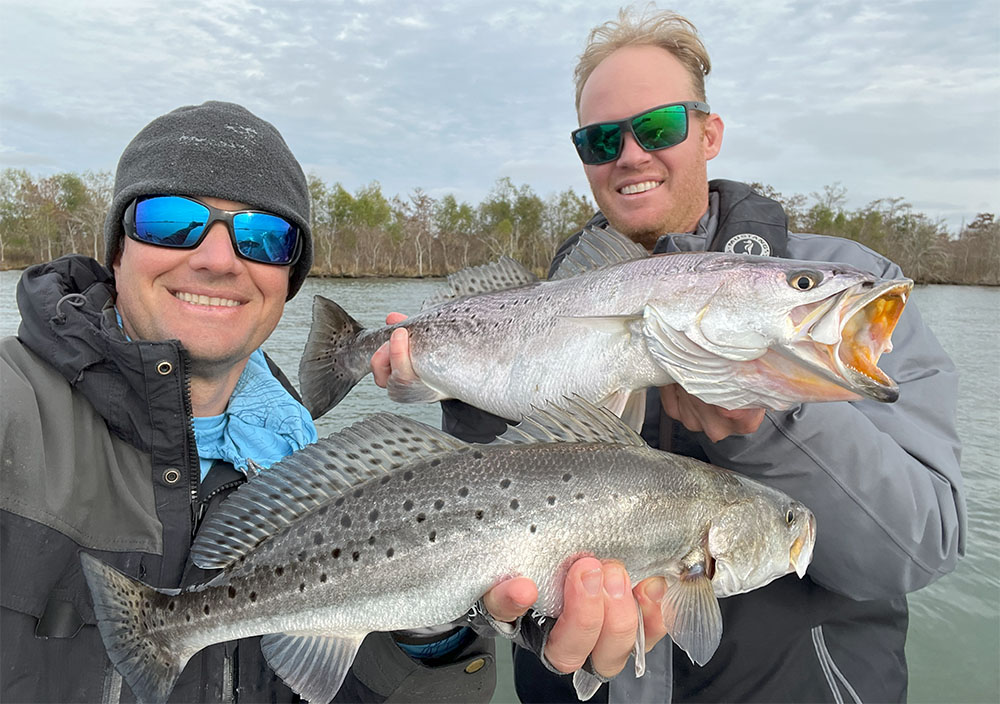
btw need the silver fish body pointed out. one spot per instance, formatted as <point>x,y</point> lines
<point>393,525</point>
<point>734,330</point>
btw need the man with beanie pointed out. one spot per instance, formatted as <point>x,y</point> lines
<point>134,395</point>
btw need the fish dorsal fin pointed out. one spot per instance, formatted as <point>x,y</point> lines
<point>312,477</point>
<point>314,666</point>
<point>597,248</point>
<point>572,420</point>
<point>500,275</point>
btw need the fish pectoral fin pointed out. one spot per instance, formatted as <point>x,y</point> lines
<point>639,649</point>
<point>412,391</point>
<point>313,665</point>
<point>585,684</point>
<point>692,616</point>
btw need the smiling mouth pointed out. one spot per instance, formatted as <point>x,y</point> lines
<point>201,300</point>
<point>642,187</point>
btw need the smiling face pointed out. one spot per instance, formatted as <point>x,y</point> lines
<point>220,307</point>
<point>648,194</point>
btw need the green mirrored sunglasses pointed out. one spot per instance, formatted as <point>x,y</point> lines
<point>661,127</point>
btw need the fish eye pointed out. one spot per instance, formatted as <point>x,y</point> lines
<point>804,280</point>
<point>789,516</point>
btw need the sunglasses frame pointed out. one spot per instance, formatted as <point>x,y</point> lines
<point>214,215</point>
<point>627,123</point>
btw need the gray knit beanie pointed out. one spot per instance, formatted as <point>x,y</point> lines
<point>220,150</point>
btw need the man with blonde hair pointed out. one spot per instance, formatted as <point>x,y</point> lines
<point>883,480</point>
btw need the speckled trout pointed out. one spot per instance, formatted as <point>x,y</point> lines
<point>736,331</point>
<point>391,524</point>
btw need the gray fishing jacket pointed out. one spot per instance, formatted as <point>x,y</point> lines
<point>882,479</point>
<point>98,454</point>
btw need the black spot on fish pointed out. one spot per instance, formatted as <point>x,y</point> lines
<point>407,505</point>
<point>335,553</point>
<point>358,493</point>
<point>377,445</point>
<point>302,586</point>
<point>479,515</point>
<point>322,510</point>
<point>207,610</point>
<point>439,504</point>
<point>533,528</point>
<point>407,475</point>
<point>373,516</point>
<point>322,578</point>
<point>187,617</point>
<point>355,555</point>
<point>253,597</point>
<point>390,552</point>
<point>232,592</point>
<point>421,518</point>
<point>477,455</point>
<point>463,492</point>
<point>275,496</point>
<point>551,500</point>
<point>390,441</point>
<point>302,556</point>
<point>278,571</point>
<point>385,479</point>
<point>432,536</point>
<point>514,504</point>
<point>345,521</point>
<point>352,456</point>
<point>567,477</point>
<point>317,538</point>
<point>435,462</point>
<point>505,483</point>
<point>339,502</point>
<point>371,539</point>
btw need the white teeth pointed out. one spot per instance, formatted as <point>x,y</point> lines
<point>201,300</point>
<point>638,187</point>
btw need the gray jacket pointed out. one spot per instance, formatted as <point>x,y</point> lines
<point>882,479</point>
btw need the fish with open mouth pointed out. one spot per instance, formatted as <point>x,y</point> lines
<point>736,331</point>
<point>392,525</point>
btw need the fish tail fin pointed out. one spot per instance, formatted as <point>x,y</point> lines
<point>124,608</point>
<point>332,361</point>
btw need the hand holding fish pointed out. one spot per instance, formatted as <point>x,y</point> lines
<point>716,422</point>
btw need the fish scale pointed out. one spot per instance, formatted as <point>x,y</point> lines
<point>391,525</point>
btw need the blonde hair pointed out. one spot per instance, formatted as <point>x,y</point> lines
<point>665,29</point>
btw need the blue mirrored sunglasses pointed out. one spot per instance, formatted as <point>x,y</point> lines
<point>181,222</point>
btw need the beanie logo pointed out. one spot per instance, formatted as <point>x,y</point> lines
<point>748,243</point>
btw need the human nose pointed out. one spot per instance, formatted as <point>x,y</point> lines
<point>632,154</point>
<point>215,251</point>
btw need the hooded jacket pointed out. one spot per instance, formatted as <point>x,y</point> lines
<point>882,479</point>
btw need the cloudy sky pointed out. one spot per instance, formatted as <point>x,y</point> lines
<point>895,98</point>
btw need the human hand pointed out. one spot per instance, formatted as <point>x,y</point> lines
<point>394,355</point>
<point>716,422</point>
<point>599,617</point>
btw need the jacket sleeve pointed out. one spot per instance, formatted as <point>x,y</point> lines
<point>882,479</point>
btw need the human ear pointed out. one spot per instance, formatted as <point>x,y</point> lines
<point>712,135</point>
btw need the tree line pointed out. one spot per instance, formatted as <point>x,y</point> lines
<point>367,233</point>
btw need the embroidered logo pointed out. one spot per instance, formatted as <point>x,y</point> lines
<point>748,243</point>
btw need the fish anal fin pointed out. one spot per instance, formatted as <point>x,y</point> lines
<point>313,665</point>
<point>692,617</point>
<point>639,648</point>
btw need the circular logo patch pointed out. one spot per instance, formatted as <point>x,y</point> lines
<point>748,243</point>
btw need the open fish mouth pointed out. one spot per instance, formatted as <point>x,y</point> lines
<point>868,320</point>
<point>842,337</point>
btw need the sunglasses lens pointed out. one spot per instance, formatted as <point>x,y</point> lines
<point>661,128</point>
<point>597,144</point>
<point>169,221</point>
<point>265,238</point>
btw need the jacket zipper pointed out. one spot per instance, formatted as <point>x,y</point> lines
<point>193,462</point>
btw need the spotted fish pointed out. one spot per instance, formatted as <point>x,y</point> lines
<point>391,524</point>
<point>736,331</point>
